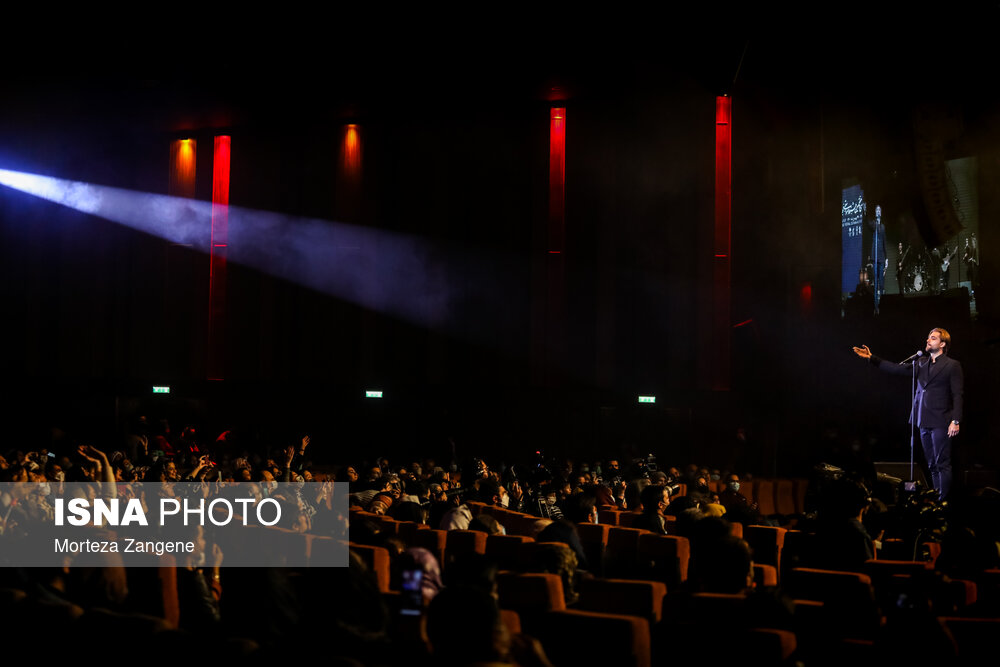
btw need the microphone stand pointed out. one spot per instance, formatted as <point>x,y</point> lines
<point>914,415</point>
<point>876,265</point>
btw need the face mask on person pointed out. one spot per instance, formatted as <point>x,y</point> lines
<point>734,486</point>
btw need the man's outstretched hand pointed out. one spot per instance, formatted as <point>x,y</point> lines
<point>863,352</point>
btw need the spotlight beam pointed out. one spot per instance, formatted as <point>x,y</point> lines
<point>392,273</point>
<point>176,219</point>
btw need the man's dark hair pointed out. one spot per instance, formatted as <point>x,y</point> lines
<point>579,507</point>
<point>415,487</point>
<point>843,498</point>
<point>488,488</point>
<point>650,497</point>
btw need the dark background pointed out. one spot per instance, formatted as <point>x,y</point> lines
<point>455,151</point>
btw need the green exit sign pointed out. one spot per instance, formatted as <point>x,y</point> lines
<point>373,394</point>
<point>161,390</point>
<point>647,399</point>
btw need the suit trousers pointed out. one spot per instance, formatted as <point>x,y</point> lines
<point>937,453</point>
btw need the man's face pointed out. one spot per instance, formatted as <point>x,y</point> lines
<point>662,505</point>
<point>934,343</point>
<point>878,212</point>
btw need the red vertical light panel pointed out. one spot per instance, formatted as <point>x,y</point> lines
<point>217,259</point>
<point>183,157</point>
<point>549,339</point>
<point>721,267</point>
<point>351,151</point>
<point>557,179</point>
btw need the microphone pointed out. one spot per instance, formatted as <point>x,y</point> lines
<point>912,357</point>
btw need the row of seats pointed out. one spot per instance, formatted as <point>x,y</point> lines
<point>594,628</point>
<point>780,496</point>
<point>784,497</point>
<point>633,553</point>
<point>849,597</point>
<point>834,614</point>
<point>612,622</point>
<point>609,549</point>
<point>774,497</point>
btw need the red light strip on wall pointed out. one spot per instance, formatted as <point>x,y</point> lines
<point>721,269</point>
<point>557,180</point>
<point>217,259</point>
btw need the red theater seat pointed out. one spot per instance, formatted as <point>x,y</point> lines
<point>377,561</point>
<point>623,550</point>
<point>623,596</point>
<point>664,557</point>
<point>507,550</point>
<point>848,598</point>
<point>434,541</point>
<point>461,542</point>
<point>408,530</point>
<point>576,637</point>
<point>766,543</point>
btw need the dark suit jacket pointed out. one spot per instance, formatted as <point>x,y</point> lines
<point>652,522</point>
<point>938,399</point>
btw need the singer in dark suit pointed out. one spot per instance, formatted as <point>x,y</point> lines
<point>937,402</point>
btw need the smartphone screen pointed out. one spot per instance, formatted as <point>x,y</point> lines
<point>412,598</point>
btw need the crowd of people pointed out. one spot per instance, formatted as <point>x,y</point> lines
<point>275,605</point>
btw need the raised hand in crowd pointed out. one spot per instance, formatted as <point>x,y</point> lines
<point>105,471</point>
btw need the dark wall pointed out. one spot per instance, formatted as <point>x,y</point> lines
<point>457,157</point>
